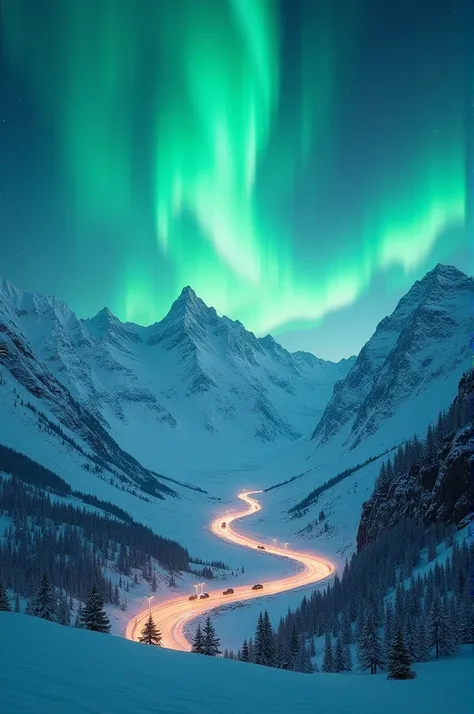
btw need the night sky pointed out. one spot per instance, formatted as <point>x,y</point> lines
<point>299,163</point>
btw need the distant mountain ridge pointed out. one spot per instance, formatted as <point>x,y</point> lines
<point>173,385</point>
<point>424,340</point>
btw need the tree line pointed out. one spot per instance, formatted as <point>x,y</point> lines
<point>380,606</point>
<point>74,544</point>
<point>299,508</point>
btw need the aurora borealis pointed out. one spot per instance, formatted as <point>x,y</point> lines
<point>285,158</point>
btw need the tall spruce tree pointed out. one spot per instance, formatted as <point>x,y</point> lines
<point>399,659</point>
<point>439,628</point>
<point>423,641</point>
<point>294,647</point>
<point>338,664</point>
<point>210,640</point>
<point>198,641</point>
<point>44,604</point>
<point>328,657</point>
<point>63,611</point>
<point>268,641</point>
<point>93,615</point>
<point>150,634</point>
<point>347,658</point>
<point>244,654</point>
<point>304,663</point>
<point>369,646</point>
<point>4,602</point>
<point>259,642</point>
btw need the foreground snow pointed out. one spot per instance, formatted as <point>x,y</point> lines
<point>46,667</point>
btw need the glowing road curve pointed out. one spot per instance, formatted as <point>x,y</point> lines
<point>171,616</point>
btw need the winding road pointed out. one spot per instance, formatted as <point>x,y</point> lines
<point>173,615</point>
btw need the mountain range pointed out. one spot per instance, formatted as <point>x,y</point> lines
<point>194,382</point>
<point>197,391</point>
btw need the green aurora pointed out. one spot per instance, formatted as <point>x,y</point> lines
<point>206,138</point>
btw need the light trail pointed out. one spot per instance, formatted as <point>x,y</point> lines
<point>173,615</point>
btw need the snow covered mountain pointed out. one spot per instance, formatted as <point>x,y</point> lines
<point>403,377</point>
<point>192,383</point>
<point>422,344</point>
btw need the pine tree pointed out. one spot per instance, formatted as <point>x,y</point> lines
<point>244,655</point>
<point>268,642</point>
<point>369,646</point>
<point>304,660</point>
<point>423,642</point>
<point>251,650</point>
<point>338,664</point>
<point>150,634</point>
<point>93,615</point>
<point>44,603</point>
<point>116,597</point>
<point>439,629</point>
<point>399,660</point>
<point>4,602</point>
<point>346,631</point>
<point>410,637</point>
<point>328,658</point>
<point>259,641</point>
<point>294,648</point>
<point>198,641</point>
<point>63,611</point>
<point>347,658</point>
<point>211,641</point>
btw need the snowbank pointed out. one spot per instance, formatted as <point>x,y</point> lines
<point>48,668</point>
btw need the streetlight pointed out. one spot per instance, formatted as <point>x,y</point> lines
<point>286,545</point>
<point>274,540</point>
<point>149,598</point>
<point>196,588</point>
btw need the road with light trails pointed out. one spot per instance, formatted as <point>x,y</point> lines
<point>173,615</point>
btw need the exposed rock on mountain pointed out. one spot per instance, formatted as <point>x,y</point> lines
<point>438,486</point>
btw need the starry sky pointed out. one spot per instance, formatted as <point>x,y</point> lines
<point>299,163</point>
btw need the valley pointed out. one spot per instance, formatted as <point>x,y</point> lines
<point>157,428</point>
<point>176,614</point>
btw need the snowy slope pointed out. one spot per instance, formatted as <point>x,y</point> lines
<point>194,381</point>
<point>424,342</point>
<point>101,674</point>
<point>404,376</point>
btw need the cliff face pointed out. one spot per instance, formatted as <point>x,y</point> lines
<point>436,488</point>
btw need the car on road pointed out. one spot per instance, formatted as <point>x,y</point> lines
<point>193,597</point>
<point>223,525</point>
<point>257,587</point>
<point>261,547</point>
<point>229,591</point>
<point>203,595</point>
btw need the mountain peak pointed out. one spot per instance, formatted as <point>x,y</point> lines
<point>188,303</point>
<point>188,293</point>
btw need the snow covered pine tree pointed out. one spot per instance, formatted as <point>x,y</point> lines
<point>94,616</point>
<point>150,634</point>
<point>399,660</point>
